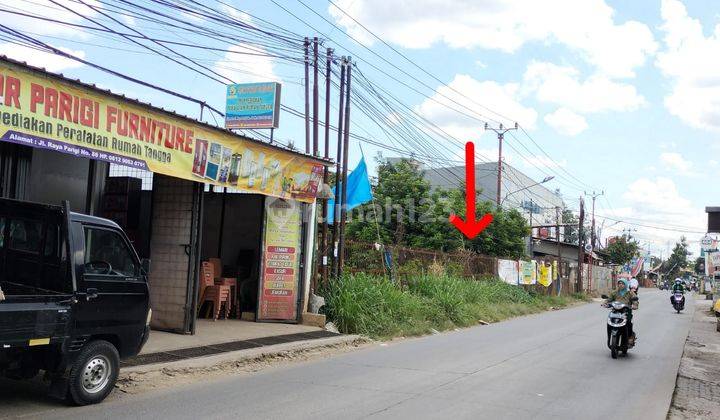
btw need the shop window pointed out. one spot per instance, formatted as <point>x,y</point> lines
<point>25,235</point>
<point>107,253</point>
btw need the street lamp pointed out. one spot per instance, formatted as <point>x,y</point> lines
<point>546,179</point>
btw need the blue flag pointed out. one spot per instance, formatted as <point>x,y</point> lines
<point>358,190</point>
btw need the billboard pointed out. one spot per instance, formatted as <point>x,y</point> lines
<point>253,105</point>
<point>280,280</point>
<point>44,111</point>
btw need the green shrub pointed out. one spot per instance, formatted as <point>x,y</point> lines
<point>377,307</point>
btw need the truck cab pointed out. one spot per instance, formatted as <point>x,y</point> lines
<point>74,299</point>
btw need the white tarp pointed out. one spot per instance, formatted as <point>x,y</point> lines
<point>508,271</point>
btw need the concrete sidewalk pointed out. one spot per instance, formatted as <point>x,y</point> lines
<point>697,390</point>
<point>222,331</point>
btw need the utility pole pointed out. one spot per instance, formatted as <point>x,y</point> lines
<point>530,244</point>
<point>315,96</point>
<point>346,148</point>
<point>307,95</point>
<point>500,131</point>
<point>581,252</point>
<point>338,163</point>
<point>324,243</point>
<point>315,152</point>
<point>594,195</point>
<point>559,255</point>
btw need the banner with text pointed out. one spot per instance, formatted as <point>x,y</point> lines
<point>42,111</point>
<point>508,271</point>
<point>281,261</point>
<point>528,272</point>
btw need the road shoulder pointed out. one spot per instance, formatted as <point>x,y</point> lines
<point>697,390</point>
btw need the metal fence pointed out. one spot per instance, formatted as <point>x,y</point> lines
<point>406,262</point>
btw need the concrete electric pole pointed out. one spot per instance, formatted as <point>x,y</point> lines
<point>500,131</point>
<point>594,195</point>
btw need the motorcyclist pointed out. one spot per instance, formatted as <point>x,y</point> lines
<point>634,284</point>
<point>678,286</point>
<point>624,294</point>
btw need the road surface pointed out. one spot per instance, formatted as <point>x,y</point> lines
<point>550,366</point>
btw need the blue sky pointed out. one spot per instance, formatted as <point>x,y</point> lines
<point>623,96</point>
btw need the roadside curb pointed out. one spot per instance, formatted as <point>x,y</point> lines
<point>697,390</point>
<point>238,356</point>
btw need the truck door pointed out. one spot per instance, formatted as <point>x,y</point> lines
<point>34,274</point>
<point>113,293</point>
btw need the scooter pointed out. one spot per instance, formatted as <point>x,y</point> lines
<point>678,301</point>
<point>618,331</point>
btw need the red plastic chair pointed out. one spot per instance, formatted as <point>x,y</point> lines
<point>213,294</point>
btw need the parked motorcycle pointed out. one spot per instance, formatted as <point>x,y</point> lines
<point>678,301</point>
<point>619,339</point>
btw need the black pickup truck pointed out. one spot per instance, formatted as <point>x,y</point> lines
<point>74,299</point>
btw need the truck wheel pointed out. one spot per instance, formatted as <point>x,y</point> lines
<point>94,373</point>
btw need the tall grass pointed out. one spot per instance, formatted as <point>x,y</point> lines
<point>374,306</point>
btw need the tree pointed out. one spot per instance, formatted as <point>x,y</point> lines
<point>409,213</point>
<point>570,232</point>
<point>700,265</point>
<point>622,250</point>
<point>678,260</point>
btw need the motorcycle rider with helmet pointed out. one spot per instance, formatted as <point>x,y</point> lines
<point>624,294</point>
<point>678,286</point>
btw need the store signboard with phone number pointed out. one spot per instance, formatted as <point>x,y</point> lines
<point>42,110</point>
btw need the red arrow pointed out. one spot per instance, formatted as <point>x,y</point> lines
<point>470,227</point>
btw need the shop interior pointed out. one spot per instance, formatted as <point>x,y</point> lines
<point>232,228</point>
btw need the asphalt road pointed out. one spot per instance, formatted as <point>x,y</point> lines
<point>552,365</point>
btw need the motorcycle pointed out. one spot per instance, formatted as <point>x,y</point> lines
<point>618,331</point>
<point>678,301</point>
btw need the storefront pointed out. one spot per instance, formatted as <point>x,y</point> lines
<point>215,197</point>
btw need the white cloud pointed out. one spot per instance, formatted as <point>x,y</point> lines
<point>614,48</point>
<point>236,13</point>
<point>505,99</point>
<point>541,161</point>
<point>657,196</point>
<point>561,85</point>
<point>677,162</point>
<point>691,61</point>
<point>713,162</point>
<point>655,202</point>
<point>48,61</point>
<point>566,122</point>
<point>244,68</point>
<point>479,64</point>
<point>47,9</point>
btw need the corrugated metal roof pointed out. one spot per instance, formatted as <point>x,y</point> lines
<point>157,108</point>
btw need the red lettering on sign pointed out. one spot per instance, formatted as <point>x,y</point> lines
<point>37,96</point>
<point>281,249</point>
<point>51,102</point>
<point>65,107</point>
<point>12,92</point>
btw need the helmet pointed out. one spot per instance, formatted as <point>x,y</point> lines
<point>678,280</point>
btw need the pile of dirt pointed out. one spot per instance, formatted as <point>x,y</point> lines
<point>140,382</point>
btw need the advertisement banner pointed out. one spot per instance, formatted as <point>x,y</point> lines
<point>508,271</point>
<point>712,263</point>
<point>278,294</point>
<point>545,274</point>
<point>43,111</point>
<point>252,105</point>
<point>528,272</point>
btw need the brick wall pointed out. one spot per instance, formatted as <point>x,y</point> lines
<point>171,229</point>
